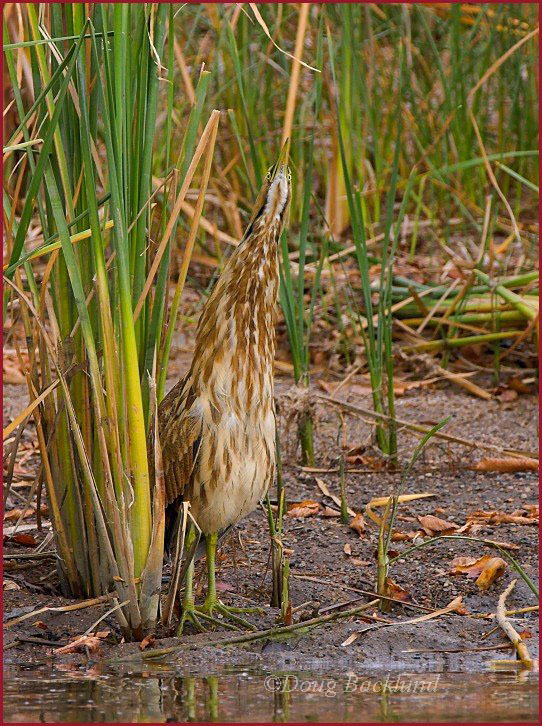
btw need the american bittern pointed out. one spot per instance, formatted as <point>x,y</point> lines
<point>217,424</point>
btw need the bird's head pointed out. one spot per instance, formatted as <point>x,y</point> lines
<point>271,206</point>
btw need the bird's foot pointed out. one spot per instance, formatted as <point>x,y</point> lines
<point>200,617</point>
<point>214,605</point>
<point>190,615</point>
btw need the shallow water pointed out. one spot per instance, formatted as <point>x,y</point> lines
<point>161,694</point>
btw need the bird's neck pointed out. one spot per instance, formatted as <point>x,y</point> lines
<point>235,340</point>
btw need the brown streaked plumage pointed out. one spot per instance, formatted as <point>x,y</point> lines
<point>217,425</point>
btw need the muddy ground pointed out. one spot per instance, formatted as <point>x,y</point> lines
<point>329,561</point>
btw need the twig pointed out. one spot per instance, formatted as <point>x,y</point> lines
<point>509,631</point>
<point>519,611</point>
<point>425,429</point>
<point>65,609</point>
<point>29,555</point>
<point>302,626</point>
<point>94,625</point>
<point>34,641</point>
<point>366,593</point>
<point>480,649</point>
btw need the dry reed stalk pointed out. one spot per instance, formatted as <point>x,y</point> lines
<point>296,67</point>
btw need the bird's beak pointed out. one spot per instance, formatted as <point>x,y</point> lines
<point>282,160</point>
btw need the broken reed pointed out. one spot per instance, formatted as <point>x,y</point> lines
<point>94,315</point>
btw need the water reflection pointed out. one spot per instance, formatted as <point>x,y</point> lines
<point>158,694</point>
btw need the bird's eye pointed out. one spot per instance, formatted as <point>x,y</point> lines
<point>268,175</point>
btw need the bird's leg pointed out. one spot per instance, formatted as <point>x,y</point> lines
<point>212,603</point>
<point>189,613</point>
<point>192,614</point>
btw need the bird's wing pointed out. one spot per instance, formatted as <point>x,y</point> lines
<point>180,437</point>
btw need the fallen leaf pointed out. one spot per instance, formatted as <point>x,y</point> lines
<point>460,609</point>
<point>359,563</point>
<point>322,486</point>
<point>329,512</point>
<point>347,549</point>
<point>149,639</point>
<point>382,502</point>
<point>40,624</point>
<point>507,465</point>
<point>14,514</point>
<point>525,634</point>
<point>371,462</point>
<point>503,545</point>
<point>350,640</point>
<point>471,566</point>
<point>359,456</point>
<point>507,395</point>
<point>492,571</point>
<point>396,591</point>
<point>10,585</point>
<point>487,569</point>
<point>400,537</point>
<point>432,525</point>
<point>26,540</point>
<point>358,524</point>
<point>306,508</point>
<point>496,517</point>
<point>83,642</point>
<point>516,384</point>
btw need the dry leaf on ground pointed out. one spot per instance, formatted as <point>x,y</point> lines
<point>486,569</point>
<point>492,571</point>
<point>432,525</point>
<point>519,516</point>
<point>516,384</point>
<point>26,540</point>
<point>13,514</point>
<point>507,465</point>
<point>358,524</point>
<point>471,566</point>
<point>90,642</point>
<point>507,395</point>
<point>351,638</point>
<point>149,639</point>
<point>10,585</point>
<point>322,486</point>
<point>396,591</point>
<point>347,549</point>
<point>306,508</point>
<point>40,624</point>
